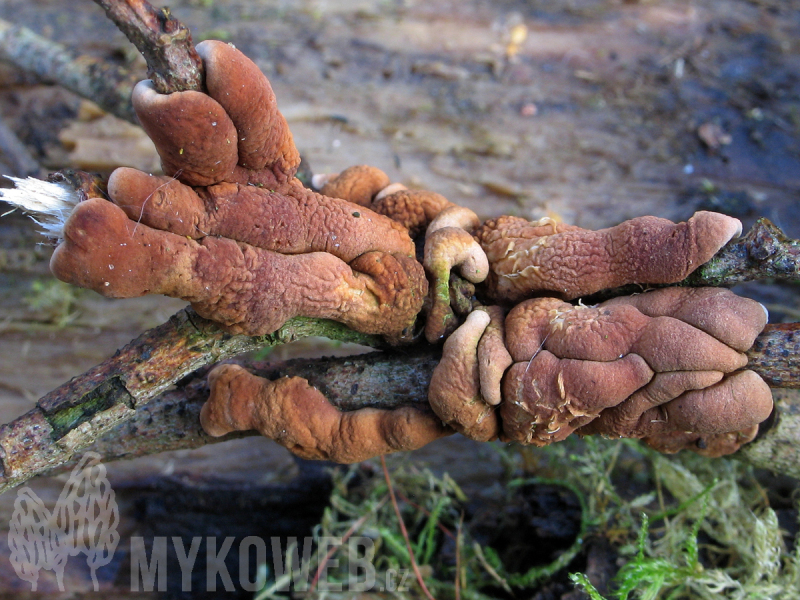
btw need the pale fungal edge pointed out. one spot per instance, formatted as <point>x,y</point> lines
<point>48,204</point>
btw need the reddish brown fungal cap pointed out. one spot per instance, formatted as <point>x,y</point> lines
<point>708,445</point>
<point>194,137</point>
<point>717,311</point>
<point>295,221</point>
<point>233,133</point>
<point>264,141</point>
<point>244,288</point>
<point>358,184</point>
<point>465,386</point>
<point>455,389</point>
<point>299,417</point>
<point>530,259</point>
<point>415,209</point>
<point>615,371</point>
<point>547,398</point>
<point>493,357</point>
<point>739,401</point>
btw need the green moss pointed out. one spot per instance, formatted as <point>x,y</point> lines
<point>656,531</point>
<point>52,300</point>
<point>108,394</point>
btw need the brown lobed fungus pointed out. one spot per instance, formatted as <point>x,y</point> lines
<point>231,230</point>
<point>248,245</point>
<point>549,258</point>
<point>300,418</point>
<point>447,227</point>
<point>234,232</point>
<point>665,366</point>
<point>514,259</point>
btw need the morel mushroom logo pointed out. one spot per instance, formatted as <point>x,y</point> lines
<point>84,519</point>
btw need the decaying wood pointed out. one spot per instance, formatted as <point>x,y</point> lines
<point>763,253</point>
<point>118,391</point>
<point>172,420</point>
<point>386,380</point>
<point>166,43</point>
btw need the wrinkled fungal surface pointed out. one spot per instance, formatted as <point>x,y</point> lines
<point>230,228</point>
<point>667,366</point>
<point>549,258</point>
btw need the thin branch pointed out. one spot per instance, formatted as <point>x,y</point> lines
<point>170,421</point>
<point>107,85</point>
<point>16,154</point>
<point>775,355</point>
<point>81,411</point>
<point>166,43</point>
<point>765,252</point>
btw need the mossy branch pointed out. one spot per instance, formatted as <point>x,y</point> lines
<point>122,407</point>
<point>83,410</point>
<point>765,252</point>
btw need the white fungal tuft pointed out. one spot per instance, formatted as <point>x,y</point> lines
<point>48,204</point>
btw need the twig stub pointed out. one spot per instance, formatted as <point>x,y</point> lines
<point>764,252</point>
<point>166,44</point>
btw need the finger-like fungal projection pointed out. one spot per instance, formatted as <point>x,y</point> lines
<point>455,389</point>
<point>444,249</point>
<point>359,184</point>
<point>300,418</point>
<point>230,229</point>
<point>234,133</point>
<point>548,258</point>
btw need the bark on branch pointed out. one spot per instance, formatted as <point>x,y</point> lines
<point>73,416</point>
<point>83,411</point>
<point>166,44</point>
<point>105,84</point>
<point>391,379</point>
<point>123,407</point>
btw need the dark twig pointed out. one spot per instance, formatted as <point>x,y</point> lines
<point>390,379</point>
<point>776,355</point>
<point>81,411</point>
<point>166,44</point>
